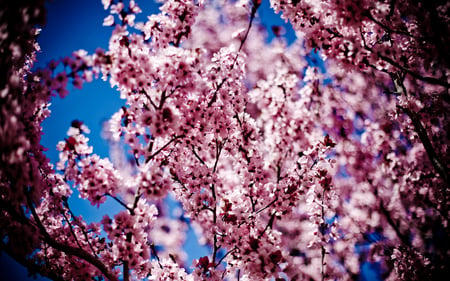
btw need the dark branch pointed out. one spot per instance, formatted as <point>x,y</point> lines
<point>81,227</point>
<point>66,248</point>
<point>268,205</point>
<point>400,235</point>
<point>162,148</point>
<point>197,156</point>
<point>222,258</point>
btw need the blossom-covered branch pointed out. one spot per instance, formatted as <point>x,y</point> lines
<point>311,160</point>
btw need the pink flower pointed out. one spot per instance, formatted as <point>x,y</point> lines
<point>106,3</point>
<point>109,20</point>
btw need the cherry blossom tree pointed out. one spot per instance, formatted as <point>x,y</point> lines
<point>287,169</point>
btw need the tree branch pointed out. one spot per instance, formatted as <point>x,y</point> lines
<point>32,267</point>
<point>66,248</point>
<point>71,230</point>
<point>197,156</point>
<point>219,147</point>
<point>400,235</point>
<point>66,204</point>
<point>438,165</point>
<point>427,79</point>
<point>121,203</point>
<point>256,4</point>
<point>269,224</point>
<point>222,258</point>
<point>162,148</point>
<point>430,80</point>
<point>387,28</point>
<point>151,101</point>
<point>153,249</point>
<point>268,205</point>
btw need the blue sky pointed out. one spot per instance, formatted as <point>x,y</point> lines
<point>73,25</point>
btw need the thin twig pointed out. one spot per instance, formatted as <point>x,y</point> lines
<point>269,224</point>
<point>430,80</point>
<point>252,17</point>
<point>227,253</point>
<point>322,231</point>
<point>71,230</point>
<point>121,203</point>
<point>162,148</point>
<point>268,205</point>
<point>197,156</point>
<point>81,227</point>
<point>387,28</point>
<point>219,147</point>
<point>256,4</point>
<point>153,249</point>
<point>136,198</point>
<point>214,97</point>
<point>148,97</point>
<point>216,248</point>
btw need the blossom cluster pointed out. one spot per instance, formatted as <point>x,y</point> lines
<point>285,169</point>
